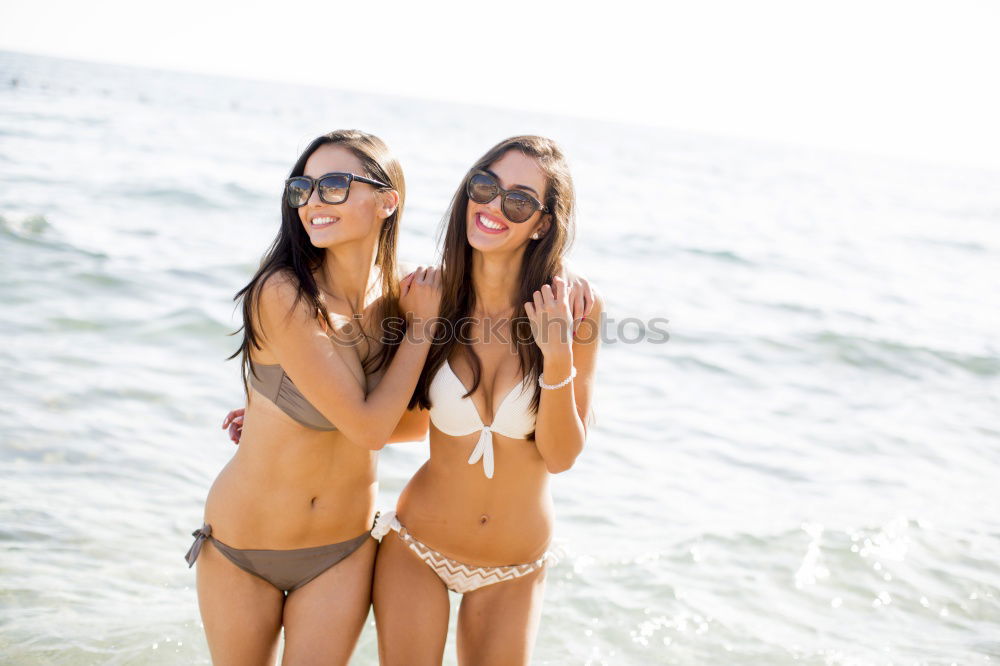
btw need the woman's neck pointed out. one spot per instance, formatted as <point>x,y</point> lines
<point>347,274</point>
<point>496,280</point>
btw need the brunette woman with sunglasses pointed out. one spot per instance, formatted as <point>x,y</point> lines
<point>286,536</point>
<point>509,392</point>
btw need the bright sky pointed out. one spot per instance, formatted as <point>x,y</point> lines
<point>913,79</point>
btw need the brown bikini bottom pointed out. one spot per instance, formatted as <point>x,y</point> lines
<point>287,570</point>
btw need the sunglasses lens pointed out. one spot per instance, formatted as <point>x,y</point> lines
<point>518,207</point>
<point>482,189</point>
<point>333,189</point>
<point>297,192</point>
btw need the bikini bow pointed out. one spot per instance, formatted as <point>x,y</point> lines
<point>200,534</point>
<point>484,450</point>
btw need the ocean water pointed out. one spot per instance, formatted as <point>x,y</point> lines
<point>805,473</point>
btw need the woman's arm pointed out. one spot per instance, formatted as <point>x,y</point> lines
<point>302,348</point>
<point>412,427</point>
<point>561,422</point>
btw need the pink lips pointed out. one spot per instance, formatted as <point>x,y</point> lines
<point>487,230</point>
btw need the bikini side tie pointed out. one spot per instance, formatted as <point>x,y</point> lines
<point>200,534</point>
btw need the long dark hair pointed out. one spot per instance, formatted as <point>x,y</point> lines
<point>293,253</point>
<point>541,262</point>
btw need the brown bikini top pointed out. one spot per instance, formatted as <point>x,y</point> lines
<point>272,382</point>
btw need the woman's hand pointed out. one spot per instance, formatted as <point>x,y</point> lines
<point>581,298</point>
<point>234,422</point>
<point>420,296</point>
<point>550,318</point>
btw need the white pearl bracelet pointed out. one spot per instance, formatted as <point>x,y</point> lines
<point>572,374</point>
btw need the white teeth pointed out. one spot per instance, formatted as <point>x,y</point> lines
<point>322,220</point>
<point>489,224</point>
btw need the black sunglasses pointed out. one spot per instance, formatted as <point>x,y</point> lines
<point>333,188</point>
<point>517,206</point>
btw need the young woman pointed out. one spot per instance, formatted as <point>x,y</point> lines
<point>285,540</point>
<point>509,394</point>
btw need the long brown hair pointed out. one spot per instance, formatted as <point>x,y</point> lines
<point>293,253</point>
<point>541,262</point>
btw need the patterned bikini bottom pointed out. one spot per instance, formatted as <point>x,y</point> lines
<point>457,576</point>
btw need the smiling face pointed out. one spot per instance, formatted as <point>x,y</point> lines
<point>487,228</point>
<point>357,218</point>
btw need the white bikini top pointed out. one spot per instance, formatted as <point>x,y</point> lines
<point>457,416</point>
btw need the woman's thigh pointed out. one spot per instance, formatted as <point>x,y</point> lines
<point>324,617</point>
<point>241,612</point>
<point>497,624</point>
<point>411,607</point>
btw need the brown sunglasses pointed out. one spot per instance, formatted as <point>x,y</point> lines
<point>517,206</point>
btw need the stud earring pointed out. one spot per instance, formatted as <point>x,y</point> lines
<point>534,236</point>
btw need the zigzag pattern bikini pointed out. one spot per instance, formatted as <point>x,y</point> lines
<point>457,416</point>
<point>457,576</point>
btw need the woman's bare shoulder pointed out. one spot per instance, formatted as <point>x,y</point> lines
<point>404,268</point>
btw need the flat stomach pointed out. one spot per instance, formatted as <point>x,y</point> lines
<point>289,486</point>
<point>452,507</point>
